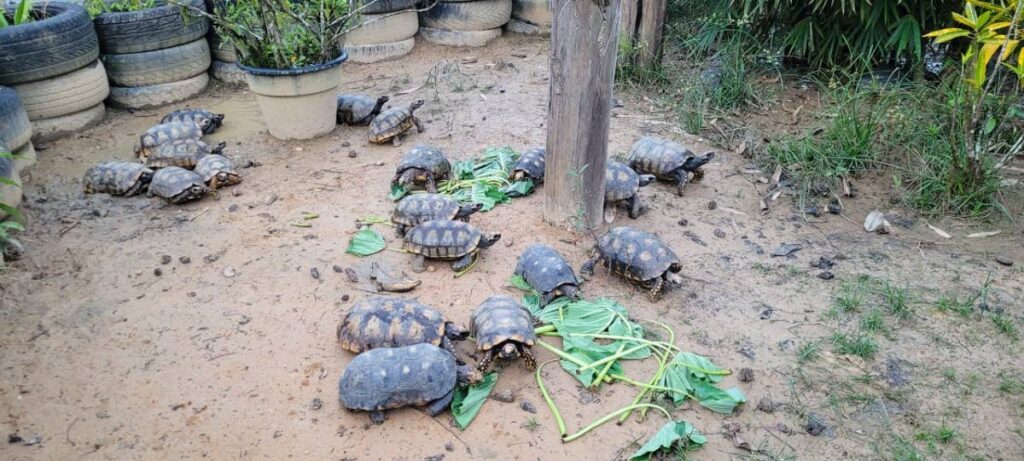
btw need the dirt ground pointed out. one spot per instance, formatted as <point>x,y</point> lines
<point>105,359</point>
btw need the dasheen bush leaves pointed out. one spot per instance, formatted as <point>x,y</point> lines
<point>588,351</point>
<point>674,436</point>
<point>485,179</point>
<point>397,192</point>
<point>365,242</point>
<point>469,399</point>
<point>694,375</point>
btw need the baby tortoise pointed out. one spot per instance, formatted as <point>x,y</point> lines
<point>117,178</point>
<point>387,378</point>
<point>446,240</point>
<point>423,165</point>
<point>217,171</point>
<point>356,109</point>
<point>166,132</point>
<point>207,121</point>
<point>418,208</point>
<point>177,185</point>
<point>392,123</point>
<point>622,185</point>
<point>530,166</point>
<point>640,257</point>
<point>547,272</point>
<point>387,321</point>
<point>503,327</point>
<point>181,152</point>
<point>667,160</point>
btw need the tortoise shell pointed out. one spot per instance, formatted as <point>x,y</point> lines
<point>392,122</point>
<point>635,254</point>
<point>417,208</point>
<point>207,121</point>
<point>544,269</point>
<point>620,182</point>
<point>389,322</point>
<point>117,178</point>
<point>180,152</point>
<point>177,185</point>
<point>166,132</point>
<point>657,156</point>
<point>386,378</point>
<point>217,171</point>
<point>425,158</point>
<point>500,319</point>
<point>442,239</point>
<point>530,165</point>
<point>357,109</point>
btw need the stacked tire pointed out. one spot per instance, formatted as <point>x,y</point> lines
<point>51,63</point>
<point>532,17</point>
<point>15,134</point>
<point>388,31</point>
<point>156,56</point>
<point>224,66</point>
<point>465,22</point>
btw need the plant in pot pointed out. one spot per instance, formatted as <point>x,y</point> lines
<point>290,51</point>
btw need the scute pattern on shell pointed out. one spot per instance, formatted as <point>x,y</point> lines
<point>418,208</point>
<point>166,132</point>
<point>355,108</point>
<point>386,378</point>
<point>116,178</point>
<point>499,319</point>
<point>442,239</point>
<point>210,166</point>
<point>635,254</point>
<point>532,163</point>
<point>427,158</point>
<point>179,152</point>
<point>657,156</point>
<point>388,321</point>
<point>390,123</point>
<point>197,116</point>
<point>620,182</point>
<point>168,183</point>
<point>544,269</point>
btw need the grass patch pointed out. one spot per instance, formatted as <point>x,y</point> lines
<point>1010,384</point>
<point>952,304</point>
<point>903,450</point>
<point>857,344</point>
<point>808,351</point>
<point>897,301</point>
<point>1005,326</point>
<point>851,298</point>
<point>872,322</point>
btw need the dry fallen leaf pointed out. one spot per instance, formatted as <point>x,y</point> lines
<point>941,232</point>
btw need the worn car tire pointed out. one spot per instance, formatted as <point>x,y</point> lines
<point>25,158</point>
<point>536,12</point>
<point>384,29</point>
<point>365,54</point>
<point>48,129</point>
<point>227,72</point>
<point>159,66</point>
<point>475,38</point>
<point>388,6</point>
<point>516,26</point>
<point>221,51</point>
<point>59,44</point>
<point>152,96</point>
<point>65,94</point>
<point>15,129</point>
<point>148,30</point>
<point>468,16</point>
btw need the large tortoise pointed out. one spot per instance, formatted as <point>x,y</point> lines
<point>502,327</point>
<point>547,271</point>
<point>530,166</point>
<point>207,121</point>
<point>392,123</point>
<point>118,178</point>
<point>166,132</point>
<point>667,160</point>
<point>419,208</point>
<point>181,152</point>
<point>388,321</point>
<point>177,185</point>
<point>639,257</point>
<point>622,186</point>
<point>356,109</point>
<point>388,378</point>
<point>217,171</point>
<point>446,240</point>
<point>422,166</point>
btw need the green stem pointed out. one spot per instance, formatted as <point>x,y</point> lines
<point>560,353</point>
<point>701,370</point>
<point>657,375</point>
<point>650,387</point>
<point>611,358</point>
<point>659,344</point>
<point>604,371</point>
<point>545,330</point>
<point>549,401</point>
<point>609,417</point>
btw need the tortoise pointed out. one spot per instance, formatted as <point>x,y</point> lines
<point>217,171</point>
<point>503,327</point>
<point>392,123</point>
<point>547,272</point>
<point>395,377</point>
<point>530,166</point>
<point>118,178</point>
<point>667,160</point>
<point>356,109</point>
<point>640,257</point>
<point>177,185</point>
<point>181,152</point>
<point>166,132</point>
<point>422,165</point>
<point>388,321</point>
<point>622,185</point>
<point>207,121</point>
<point>446,240</point>
<point>418,208</point>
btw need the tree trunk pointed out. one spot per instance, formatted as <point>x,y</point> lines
<point>630,10</point>
<point>583,50</point>
<point>650,31</point>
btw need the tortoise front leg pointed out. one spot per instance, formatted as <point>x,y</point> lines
<point>655,292</point>
<point>449,346</point>
<point>436,407</point>
<point>587,269</point>
<point>546,298</point>
<point>681,178</point>
<point>397,140</point>
<point>431,185</point>
<point>419,125</point>
<point>634,206</point>
<point>377,416</point>
<point>419,264</point>
<point>528,359</point>
<point>400,230</point>
<point>464,262</point>
<point>482,365</point>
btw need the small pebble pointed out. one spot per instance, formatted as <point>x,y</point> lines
<point>191,294</point>
<point>184,260</point>
<point>314,272</point>
<point>270,199</point>
<point>232,208</point>
<point>767,405</point>
<point>826,275</point>
<point>316,404</point>
<point>157,272</point>
<point>210,259</point>
<point>746,375</point>
<point>528,407</point>
<point>504,395</point>
<point>720,233</point>
<point>380,163</point>
<point>345,298</point>
<point>346,144</point>
<point>815,425</point>
<point>165,259</point>
<point>229,272</point>
<point>353,154</point>
<point>835,208</point>
<point>337,268</point>
<point>449,446</point>
<point>712,205</point>
<point>236,191</point>
<point>683,222</point>
<point>1004,260</point>
<point>430,269</point>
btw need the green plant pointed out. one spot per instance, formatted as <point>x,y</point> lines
<point>1005,326</point>
<point>97,7</point>
<point>962,307</point>
<point>897,300</point>
<point>872,321</point>
<point>850,298</point>
<point>857,344</point>
<point>22,14</point>
<point>808,351</point>
<point>1010,384</point>
<point>531,424</point>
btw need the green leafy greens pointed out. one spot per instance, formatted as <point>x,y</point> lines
<point>674,436</point>
<point>366,242</point>
<point>469,399</point>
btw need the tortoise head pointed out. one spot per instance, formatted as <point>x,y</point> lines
<point>508,351</point>
<point>466,374</point>
<point>218,120</point>
<point>225,178</point>
<point>646,179</point>
<point>468,209</point>
<point>415,105</point>
<point>455,332</point>
<point>219,148</point>
<point>206,125</point>
<point>486,241</point>
<point>698,161</point>
<point>672,275</point>
<point>569,291</point>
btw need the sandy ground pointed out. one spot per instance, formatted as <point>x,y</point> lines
<point>104,359</point>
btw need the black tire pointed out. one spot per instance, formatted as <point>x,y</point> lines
<point>153,96</point>
<point>148,30</point>
<point>387,6</point>
<point>59,44</point>
<point>15,129</point>
<point>480,15</point>
<point>159,66</point>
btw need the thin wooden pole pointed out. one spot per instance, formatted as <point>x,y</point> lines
<point>584,38</point>
<point>650,31</point>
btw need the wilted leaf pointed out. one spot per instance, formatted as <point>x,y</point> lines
<point>469,399</point>
<point>674,436</point>
<point>397,192</point>
<point>365,242</point>
<point>519,188</point>
<point>718,400</point>
<point>587,351</point>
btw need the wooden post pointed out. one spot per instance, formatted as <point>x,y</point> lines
<point>630,10</point>
<point>584,43</point>
<point>649,32</point>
